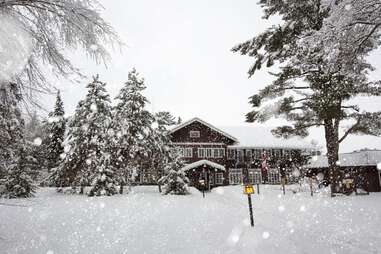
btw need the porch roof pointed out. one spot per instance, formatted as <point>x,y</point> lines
<point>201,163</point>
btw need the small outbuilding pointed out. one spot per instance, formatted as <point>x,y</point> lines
<point>364,164</point>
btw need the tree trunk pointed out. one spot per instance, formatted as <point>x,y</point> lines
<point>331,128</point>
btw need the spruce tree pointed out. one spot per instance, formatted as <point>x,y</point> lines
<point>315,87</point>
<point>174,180</point>
<point>160,144</point>
<point>55,126</point>
<point>18,182</point>
<point>131,126</point>
<point>15,163</point>
<point>105,181</point>
<point>87,138</point>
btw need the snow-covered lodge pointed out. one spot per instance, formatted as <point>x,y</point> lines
<point>223,156</point>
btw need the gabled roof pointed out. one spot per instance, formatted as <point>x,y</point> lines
<point>201,163</point>
<point>196,119</point>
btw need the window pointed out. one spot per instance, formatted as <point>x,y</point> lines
<point>248,155</point>
<point>194,134</point>
<point>255,176</point>
<point>235,176</point>
<point>219,178</point>
<point>201,153</point>
<point>209,153</point>
<point>257,154</point>
<point>231,154</point>
<point>221,153</point>
<point>188,152</point>
<point>240,155</point>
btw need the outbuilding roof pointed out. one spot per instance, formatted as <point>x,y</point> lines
<point>357,158</point>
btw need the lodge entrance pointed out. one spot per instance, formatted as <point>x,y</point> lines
<point>205,175</point>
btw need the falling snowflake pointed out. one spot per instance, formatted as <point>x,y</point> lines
<point>94,47</point>
<point>348,7</point>
<point>265,235</point>
<point>302,208</point>
<point>37,141</point>
<point>94,107</point>
<point>67,148</point>
<point>281,208</point>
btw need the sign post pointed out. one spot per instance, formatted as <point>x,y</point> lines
<point>283,181</point>
<point>202,183</point>
<point>248,189</point>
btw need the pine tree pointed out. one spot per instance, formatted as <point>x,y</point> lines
<point>87,138</point>
<point>174,180</point>
<point>18,183</point>
<point>160,146</point>
<point>11,123</point>
<point>56,126</point>
<point>131,125</point>
<point>329,79</point>
<point>105,181</point>
<point>15,163</point>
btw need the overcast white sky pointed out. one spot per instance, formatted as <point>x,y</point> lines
<point>182,49</point>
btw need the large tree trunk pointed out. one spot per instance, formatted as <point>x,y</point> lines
<point>331,128</point>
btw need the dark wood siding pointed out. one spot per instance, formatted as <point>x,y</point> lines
<point>207,135</point>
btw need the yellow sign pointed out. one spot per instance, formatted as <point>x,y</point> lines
<point>248,189</point>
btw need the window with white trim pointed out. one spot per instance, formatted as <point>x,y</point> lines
<point>201,153</point>
<point>188,152</point>
<point>221,153</point>
<point>209,153</point>
<point>231,153</point>
<point>255,176</point>
<point>194,134</point>
<point>219,178</point>
<point>235,176</point>
<point>240,155</point>
<point>257,153</point>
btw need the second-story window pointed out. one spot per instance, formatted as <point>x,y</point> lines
<point>188,152</point>
<point>194,134</point>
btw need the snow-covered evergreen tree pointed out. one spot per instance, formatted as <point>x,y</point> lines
<point>18,182</point>
<point>131,126</point>
<point>174,180</point>
<point>160,144</point>
<point>15,163</point>
<point>87,138</point>
<point>105,181</point>
<point>11,123</point>
<point>55,126</point>
<point>316,83</point>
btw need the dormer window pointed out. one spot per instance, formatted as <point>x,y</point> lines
<point>194,134</point>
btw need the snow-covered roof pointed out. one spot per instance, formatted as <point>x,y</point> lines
<point>356,158</point>
<point>196,119</point>
<point>201,163</point>
<point>261,137</point>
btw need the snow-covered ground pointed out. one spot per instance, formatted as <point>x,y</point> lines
<point>146,222</point>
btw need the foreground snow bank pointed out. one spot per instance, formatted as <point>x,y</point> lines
<point>146,222</point>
